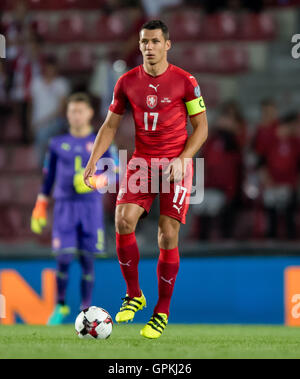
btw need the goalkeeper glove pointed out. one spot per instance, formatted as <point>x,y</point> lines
<point>39,216</point>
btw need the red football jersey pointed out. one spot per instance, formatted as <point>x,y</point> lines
<point>159,108</point>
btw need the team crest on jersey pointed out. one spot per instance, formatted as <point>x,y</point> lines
<point>89,146</point>
<point>151,101</point>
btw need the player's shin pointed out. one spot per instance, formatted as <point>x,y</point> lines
<point>87,280</point>
<point>63,264</point>
<point>167,269</point>
<point>128,254</point>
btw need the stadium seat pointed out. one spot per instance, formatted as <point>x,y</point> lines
<point>111,28</point>
<point>12,130</point>
<point>230,60</point>
<point>86,4</point>
<point>259,26</point>
<point>78,60</point>
<point>211,92</point>
<point>193,58</point>
<point>70,29</point>
<point>2,157</point>
<point>7,190</point>
<point>42,26</point>
<point>23,159</point>
<point>185,25</point>
<point>27,189</point>
<point>220,26</point>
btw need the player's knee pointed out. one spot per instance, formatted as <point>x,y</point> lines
<point>124,224</point>
<point>167,237</point>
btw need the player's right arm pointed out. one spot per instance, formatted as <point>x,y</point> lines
<point>102,142</point>
<point>107,131</point>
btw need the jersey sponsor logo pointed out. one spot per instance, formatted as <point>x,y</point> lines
<point>65,146</point>
<point>197,91</point>
<point>155,87</point>
<point>151,101</point>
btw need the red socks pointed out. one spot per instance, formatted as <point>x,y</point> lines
<point>129,256</point>
<point>167,269</point>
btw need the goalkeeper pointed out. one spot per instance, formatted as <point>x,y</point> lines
<point>78,225</point>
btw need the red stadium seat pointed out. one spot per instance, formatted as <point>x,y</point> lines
<point>230,60</point>
<point>112,28</point>
<point>3,154</point>
<point>42,26</point>
<point>78,60</point>
<point>70,29</point>
<point>211,93</point>
<point>7,190</point>
<point>10,222</point>
<point>185,25</point>
<point>193,59</point>
<point>220,26</point>
<point>23,159</point>
<point>86,4</point>
<point>27,189</point>
<point>260,26</point>
<point>12,130</point>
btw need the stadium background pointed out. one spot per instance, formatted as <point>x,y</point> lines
<point>240,52</point>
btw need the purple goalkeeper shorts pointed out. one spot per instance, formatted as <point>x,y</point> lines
<point>78,225</point>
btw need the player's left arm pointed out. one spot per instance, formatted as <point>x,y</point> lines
<point>198,137</point>
<point>192,146</point>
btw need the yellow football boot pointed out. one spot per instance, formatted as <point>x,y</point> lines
<point>129,307</point>
<point>154,328</point>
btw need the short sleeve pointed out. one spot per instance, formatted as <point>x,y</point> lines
<point>118,103</point>
<point>193,98</point>
<point>63,88</point>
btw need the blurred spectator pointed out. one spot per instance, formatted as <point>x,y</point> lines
<point>130,49</point>
<point>223,167</point>
<point>48,95</point>
<point>5,109</point>
<point>154,8</point>
<point>280,176</point>
<point>25,68</point>
<point>16,28</point>
<point>267,125</point>
<point>106,73</point>
<point>239,125</point>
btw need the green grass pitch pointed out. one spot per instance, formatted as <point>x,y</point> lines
<point>178,341</point>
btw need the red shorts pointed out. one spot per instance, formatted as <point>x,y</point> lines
<point>141,184</point>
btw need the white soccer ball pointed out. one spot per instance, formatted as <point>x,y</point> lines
<point>94,323</point>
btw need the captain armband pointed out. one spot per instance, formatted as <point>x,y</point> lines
<point>195,106</point>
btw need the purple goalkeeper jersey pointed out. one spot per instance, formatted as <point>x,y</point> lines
<point>66,156</point>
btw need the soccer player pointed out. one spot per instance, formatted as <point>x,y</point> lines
<point>78,214</point>
<point>161,97</point>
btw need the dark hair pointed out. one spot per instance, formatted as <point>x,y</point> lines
<point>289,118</point>
<point>79,97</point>
<point>157,24</point>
